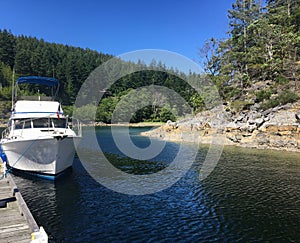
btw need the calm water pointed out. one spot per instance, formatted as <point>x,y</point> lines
<point>251,196</point>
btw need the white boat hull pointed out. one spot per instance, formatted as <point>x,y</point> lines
<point>46,156</point>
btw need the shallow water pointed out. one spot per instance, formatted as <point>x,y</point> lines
<point>252,195</point>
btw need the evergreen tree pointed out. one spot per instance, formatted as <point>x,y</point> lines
<point>236,49</point>
<point>7,47</point>
<point>263,45</point>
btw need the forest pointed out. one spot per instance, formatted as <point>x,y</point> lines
<point>258,63</point>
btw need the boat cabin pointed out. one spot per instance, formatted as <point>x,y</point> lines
<point>26,123</point>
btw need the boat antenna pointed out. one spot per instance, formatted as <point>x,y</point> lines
<point>13,89</point>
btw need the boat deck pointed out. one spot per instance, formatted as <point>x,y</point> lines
<point>16,221</point>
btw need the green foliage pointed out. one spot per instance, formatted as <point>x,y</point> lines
<point>85,113</point>
<point>270,104</point>
<point>197,102</point>
<point>284,98</point>
<point>263,45</point>
<point>5,93</point>
<point>68,110</point>
<point>7,48</point>
<point>5,75</point>
<point>136,105</point>
<point>281,80</point>
<point>239,105</point>
<point>30,56</point>
<point>106,108</point>
<point>165,115</point>
<point>231,91</point>
<point>287,97</point>
<point>71,65</point>
<point>5,108</point>
<point>263,95</point>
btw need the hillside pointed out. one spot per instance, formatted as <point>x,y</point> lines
<point>257,72</point>
<point>30,56</point>
<point>256,67</point>
<point>72,65</point>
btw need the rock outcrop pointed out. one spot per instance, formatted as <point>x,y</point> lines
<point>276,128</point>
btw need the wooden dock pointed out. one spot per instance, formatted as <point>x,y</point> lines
<point>16,221</point>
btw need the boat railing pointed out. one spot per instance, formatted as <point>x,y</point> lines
<point>75,125</point>
<point>5,132</point>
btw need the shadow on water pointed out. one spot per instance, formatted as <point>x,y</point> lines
<point>252,195</point>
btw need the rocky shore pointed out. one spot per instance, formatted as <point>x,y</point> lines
<point>276,128</point>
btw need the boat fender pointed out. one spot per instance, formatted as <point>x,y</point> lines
<point>3,157</point>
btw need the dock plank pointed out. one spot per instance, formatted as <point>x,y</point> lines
<point>17,222</point>
<point>21,235</point>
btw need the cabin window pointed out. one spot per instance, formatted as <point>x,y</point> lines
<point>59,123</point>
<point>41,123</point>
<point>22,123</point>
<point>27,124</point>
<point>18,124</point>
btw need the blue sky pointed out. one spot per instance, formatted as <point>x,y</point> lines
<point>116,26</point>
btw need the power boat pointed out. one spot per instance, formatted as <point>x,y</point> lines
<point>39,138</point>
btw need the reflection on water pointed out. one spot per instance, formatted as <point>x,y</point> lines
<point>252,195</point>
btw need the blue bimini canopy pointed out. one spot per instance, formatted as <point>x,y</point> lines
<point>38,80</point>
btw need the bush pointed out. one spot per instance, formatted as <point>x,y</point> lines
<point>232,92</point>
<point>263,95</point>
<point>239,105</point>
<point>85,113</point>
<point>287,97</point>
<point>282,99</point>
<point>281,80</point>
<point>68,110</point>
<point>165,115</point>
<point>5,93</point>
<point>270,104</point>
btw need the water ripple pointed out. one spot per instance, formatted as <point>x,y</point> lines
<point>251,196</point>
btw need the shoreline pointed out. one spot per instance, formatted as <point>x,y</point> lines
<point>208,142</point>
<point>215,139</point>
<point>140,124</point>
<point>99,124</point>
<point>275,129</point>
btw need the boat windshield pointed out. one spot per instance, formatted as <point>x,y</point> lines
<point>59,123</point>
<point>22,123</point>
<point>40,123</point>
